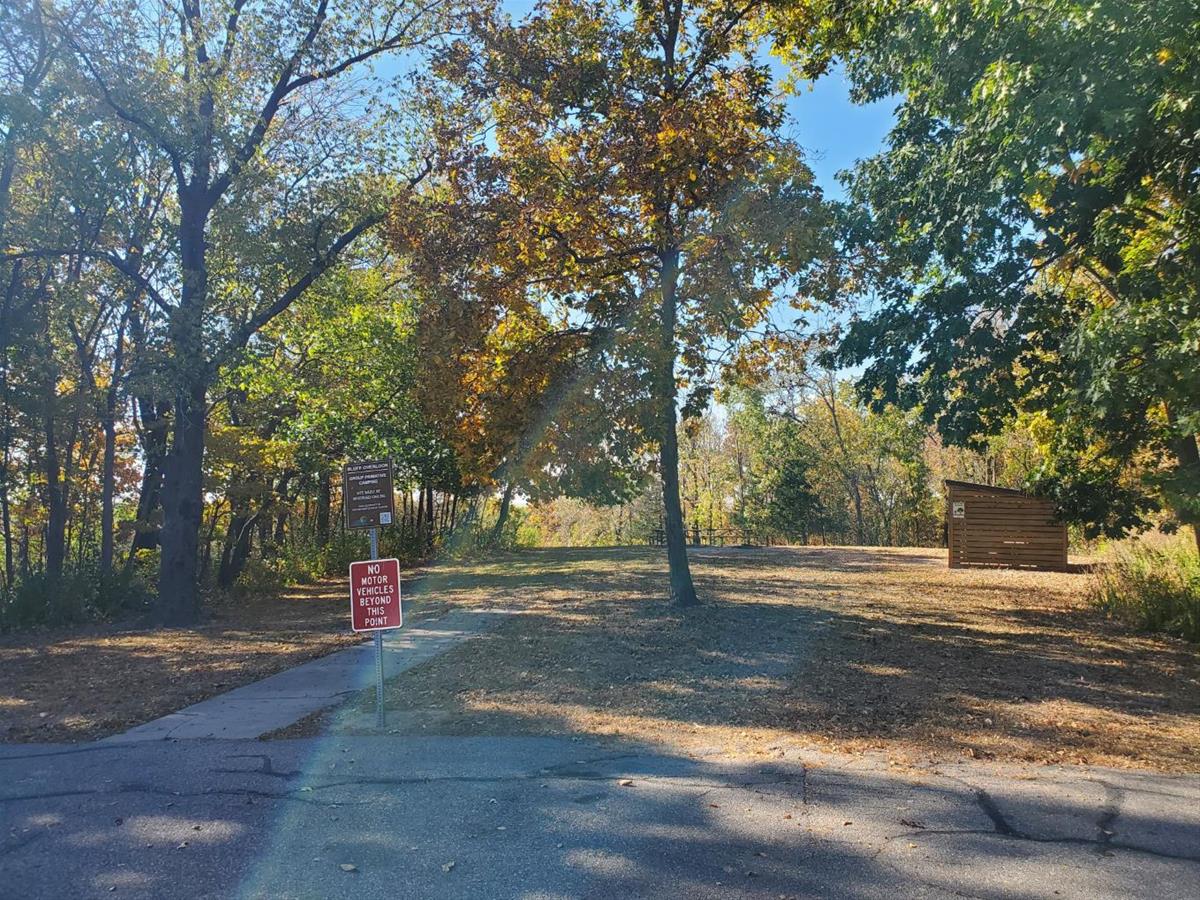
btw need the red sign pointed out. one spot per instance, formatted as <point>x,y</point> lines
<point>375,595</point>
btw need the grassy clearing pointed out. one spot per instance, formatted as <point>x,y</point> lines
<point>1153,588</point>
<point>836,648</point>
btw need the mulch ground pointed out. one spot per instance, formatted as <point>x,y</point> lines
<point>849,649</point>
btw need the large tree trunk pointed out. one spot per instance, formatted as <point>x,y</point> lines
<point>183,506</point>
<point>683,592</point>
<point>183,481</point>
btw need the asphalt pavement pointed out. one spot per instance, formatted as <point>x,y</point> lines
<point>497,817</point>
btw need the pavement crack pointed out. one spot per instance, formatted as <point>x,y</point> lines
<point>24,841</point>
<point>90,748</point>
<point>992,811</point>
<point>48,795</point>
<point>1106,823</point>
<point>266,768</point>
<point>1038,839</point>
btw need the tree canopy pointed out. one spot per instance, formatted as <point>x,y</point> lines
<point>575,259</point>
<point>1028,237</point>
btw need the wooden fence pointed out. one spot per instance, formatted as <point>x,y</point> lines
<point>989,526</point>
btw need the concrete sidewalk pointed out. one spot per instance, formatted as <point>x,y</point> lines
<point>283,699</point>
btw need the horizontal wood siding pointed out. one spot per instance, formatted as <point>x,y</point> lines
<point>1002,528</point>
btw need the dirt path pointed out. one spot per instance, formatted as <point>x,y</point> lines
<point>838,648</point>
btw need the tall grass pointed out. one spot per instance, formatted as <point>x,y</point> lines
<point>1153,587</point>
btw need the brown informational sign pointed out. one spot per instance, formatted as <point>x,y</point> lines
<point>367,487</point>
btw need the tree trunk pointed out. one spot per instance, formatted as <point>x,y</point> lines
<point>1187,458</point>
<point>206,553</point>
<point>111,399</point>
<point>502,519</point>
<point>233,557</point>
<point>106,491</point>
<point>182,501</point>
<point>153,437</point>
<point>183,478</point>
<point>429,517</point>
<point>324,501</point>
<point>683,592</point>
<point>150,417</point>
<point>7,418</point>
<point>6,522</point>
<point>282,512</point>
<point>56,521</point>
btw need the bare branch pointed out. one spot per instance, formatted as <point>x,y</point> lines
<point>122,265</point>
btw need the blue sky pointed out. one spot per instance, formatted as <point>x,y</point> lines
<point>834,131</point>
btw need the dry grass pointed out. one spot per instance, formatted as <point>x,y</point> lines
<point>90,682</point>
<point>837,648</point>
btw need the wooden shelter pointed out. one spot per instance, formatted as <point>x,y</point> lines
<point>991,526</point>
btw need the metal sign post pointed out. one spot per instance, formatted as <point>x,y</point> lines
<point>375,583</point>
<point>378,647</point>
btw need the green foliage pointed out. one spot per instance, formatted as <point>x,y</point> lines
<point>74,598</point>
<point>1030,232</point>
<point>1153,588</point>
<point>794,505</point>
<point>262,578</point>
<point>792,465</point>
<point>344,547</point>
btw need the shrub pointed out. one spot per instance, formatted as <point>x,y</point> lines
<point>123,592</point>
<point>1153,588</point>
<point>82,595</point>
<point>343,548</point>
<point>302,561</point>
<point>261,578</point>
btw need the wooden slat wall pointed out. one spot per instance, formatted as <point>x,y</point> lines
<point>1002,529</point>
